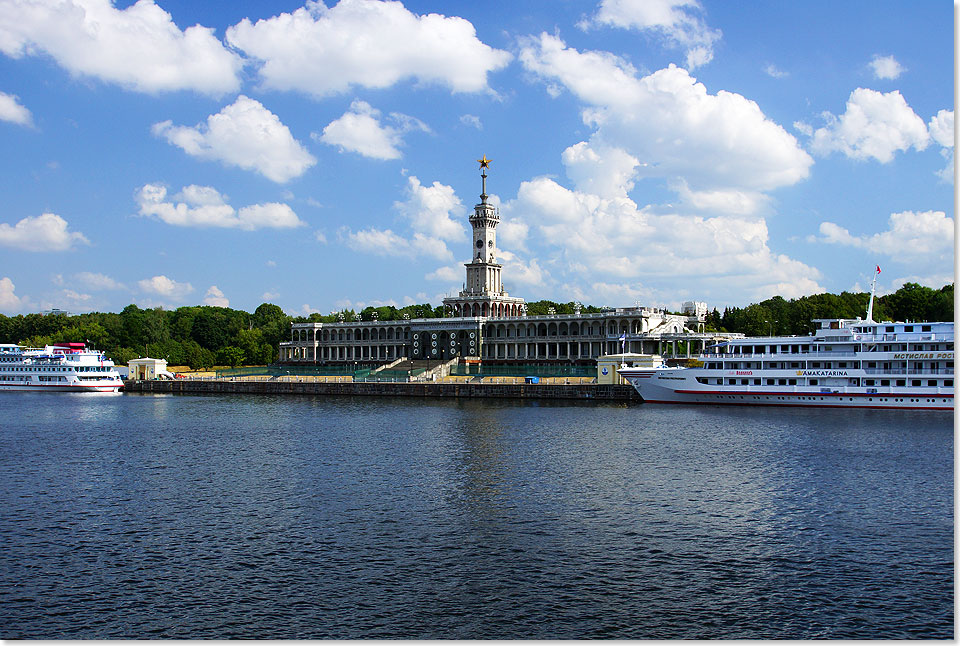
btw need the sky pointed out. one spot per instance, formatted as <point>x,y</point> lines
<point>323,156</point>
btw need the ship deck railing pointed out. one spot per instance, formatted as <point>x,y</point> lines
<point>919,372</point>
<point>786,356</point>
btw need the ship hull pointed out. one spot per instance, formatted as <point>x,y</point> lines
<point>676,388</point>
<point>66,388</point>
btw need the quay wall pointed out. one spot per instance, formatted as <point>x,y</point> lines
<point>584,392</point>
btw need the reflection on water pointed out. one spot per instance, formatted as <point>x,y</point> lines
<point>216,517</point>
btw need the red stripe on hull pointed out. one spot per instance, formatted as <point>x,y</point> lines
<point>744,393</point>
<point>788,404</point>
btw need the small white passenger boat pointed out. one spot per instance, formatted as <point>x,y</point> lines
<point>62,367</point>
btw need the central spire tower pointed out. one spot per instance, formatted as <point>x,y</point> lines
<point>483,293</point>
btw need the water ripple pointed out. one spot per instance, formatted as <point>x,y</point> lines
<point>236,517</point>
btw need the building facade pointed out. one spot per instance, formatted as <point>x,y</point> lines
<point>565,338</point>
<point>484,323</point>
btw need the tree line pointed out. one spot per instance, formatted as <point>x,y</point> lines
<point>203,336</point>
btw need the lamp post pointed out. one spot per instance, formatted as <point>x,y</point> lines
<point>771,326</point>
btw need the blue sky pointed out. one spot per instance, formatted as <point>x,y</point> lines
<point>323,157</point>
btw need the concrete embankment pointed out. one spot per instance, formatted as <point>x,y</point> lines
<point>587,392</point>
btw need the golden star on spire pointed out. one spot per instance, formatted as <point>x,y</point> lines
<point>484,163</point>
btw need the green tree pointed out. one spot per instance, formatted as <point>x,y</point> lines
<point>181,322</point>
<point>122,356</point>
<point>255,350</point>
<point>132,327</point>
<point>209,329</point>
<point>231,356</point>
<point>909,303</point>
<point>757,320</point>
<point>941,305</point>
<point>273,323</point>
<point>197,357</point>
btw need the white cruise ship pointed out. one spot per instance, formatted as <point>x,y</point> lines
<point>63,367</point>
<point>849,363</point>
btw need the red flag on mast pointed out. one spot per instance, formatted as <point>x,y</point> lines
<point>878,269</point>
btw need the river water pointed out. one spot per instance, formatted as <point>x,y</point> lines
<point>199,517</point>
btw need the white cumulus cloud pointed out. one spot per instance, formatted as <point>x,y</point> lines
<point>719,153</point>
<point>669,123</point>
<point>11,110</point>
<point>215,297</point>
<point>773,71</point>
<point>447,273</point>
<point>676,21</point>
<point>97,281</point>
<point>941,129</point>
<point>519,272</point>
<point>164,287</point>
<point>922,237</point>
<point>9,301</point>
<point>886,67</point>
<point>433,210</point>
<point>138,47</point>
<point>384,242</point>
<point>204,206</point>
<point>607,171</point>
<point>591,238</point>
<point>47,232</point>
<point>471,120</point>
<point>365,43</point>
<point>431,213</point>
<point>244,134</point>
<point>360,130</point>
<point>875,125</point>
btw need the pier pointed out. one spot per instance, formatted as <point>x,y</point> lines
<point>581,392</point>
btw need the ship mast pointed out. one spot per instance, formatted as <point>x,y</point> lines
<point>873,291</point>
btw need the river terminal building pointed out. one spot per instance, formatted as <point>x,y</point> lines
<point>483,323</point>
